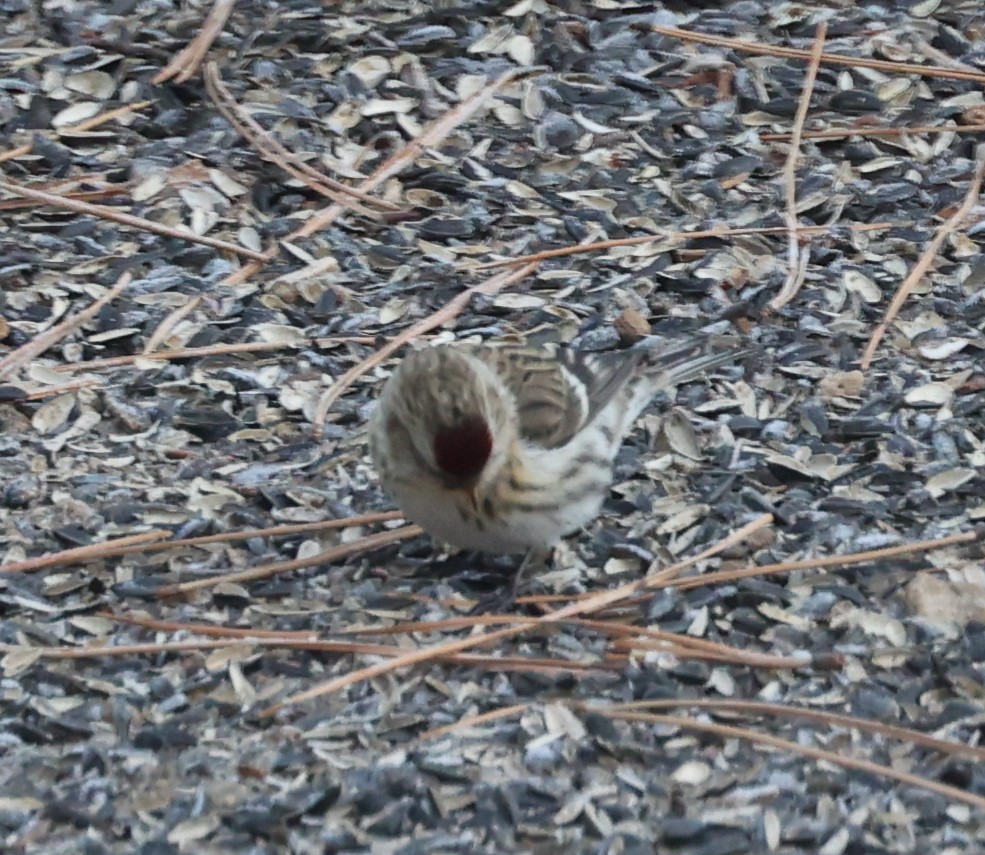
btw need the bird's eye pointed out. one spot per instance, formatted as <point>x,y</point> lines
<point>461,451</point>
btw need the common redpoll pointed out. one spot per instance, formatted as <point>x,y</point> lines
<point>505,447</point>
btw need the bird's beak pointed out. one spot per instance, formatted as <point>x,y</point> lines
<point>470,493</point>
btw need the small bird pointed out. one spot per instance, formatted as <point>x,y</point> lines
<point>506,447</point>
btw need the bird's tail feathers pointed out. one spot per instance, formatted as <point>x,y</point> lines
<point>670,363</point>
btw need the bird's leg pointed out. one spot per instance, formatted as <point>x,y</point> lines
<point>500,601</point>
<point>532,559</point>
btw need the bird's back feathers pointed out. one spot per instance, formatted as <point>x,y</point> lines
<point>558,391</point>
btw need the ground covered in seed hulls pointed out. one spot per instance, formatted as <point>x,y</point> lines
<point>622,131</point>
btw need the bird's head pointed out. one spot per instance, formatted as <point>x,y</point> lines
<point>443,415</point>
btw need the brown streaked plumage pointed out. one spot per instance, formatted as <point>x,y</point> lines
<point>504,447</point>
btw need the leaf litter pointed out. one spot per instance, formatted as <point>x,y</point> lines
<point>224,384</point>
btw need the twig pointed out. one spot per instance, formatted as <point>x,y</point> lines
<point>628,636</point>
<point>51,391</point>
<point>170,322</point>
<point>142,543</point>
<point>729,705</point>
<point>185,64</point>
<point>856,763</point>
<point>446,313</point>
<point>667,578</point>
<point>81,127</point>
<point>302,640</point>
<point>81,195</point>
<point>276,153</point>
<point>732,705</point>
<point>826,58</point>
<point>595,246</point>
<point>83,553</point>
<point>474,720</point>
<point>272,531</point>
<point>103,118</point>
<point>727,655</point>
<point>839,133</point>
<point>433,135</point>
<point>210,630</point>
<point>107,213</point>
<point>817,563</point>
<point>938,55</point>
<point>494,663</point>
<point>798,255</point>
<point>16,359</point>
<point>593,603</point>
<point>597,602</point>
<point>210,350</point>
<point>927,258</point>
<point>413,658</point>
<point>443,126</point>
<point>328,556</point>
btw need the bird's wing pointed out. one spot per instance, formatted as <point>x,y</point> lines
<point>558,391</point>
<point>669,362</point>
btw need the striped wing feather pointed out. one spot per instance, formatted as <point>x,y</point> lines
<point>558,391</point>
